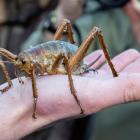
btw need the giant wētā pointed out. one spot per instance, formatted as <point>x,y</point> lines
<point>55,57</point>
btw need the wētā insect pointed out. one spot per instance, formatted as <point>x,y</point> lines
<point>55,57</point>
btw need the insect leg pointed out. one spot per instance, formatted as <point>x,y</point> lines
<point>6,75</point>
<point>72,89</point>
<point>79,55</point>
<point>35,92</point>
<point>65,27</point>
<point>17,74</point>
<point>8,54</point>
<point>12,57</point>
<point>104,48</point>
<point>55,67</point>
<point>57,63</point>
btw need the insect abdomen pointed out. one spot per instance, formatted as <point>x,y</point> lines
<point>53,47</point>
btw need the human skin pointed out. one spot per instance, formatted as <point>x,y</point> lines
<point>70,9</point>
<point>132,10</point>
<point>94,90</point>
<point>66,9</point>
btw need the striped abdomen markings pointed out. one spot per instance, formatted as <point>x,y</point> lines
<point>53,48</point>
<point>47,54</point>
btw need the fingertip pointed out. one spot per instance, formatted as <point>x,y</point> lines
<point>133,52</point>
<point>123,59</point>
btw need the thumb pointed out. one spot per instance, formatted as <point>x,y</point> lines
<point>123,89</point>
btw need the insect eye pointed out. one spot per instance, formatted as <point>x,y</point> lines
<point>23,62</point>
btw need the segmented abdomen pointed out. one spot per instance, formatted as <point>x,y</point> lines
<point>53,48</point>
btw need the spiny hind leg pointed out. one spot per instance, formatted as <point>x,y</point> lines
<point>65,27</point>
<point>7,77</point>
<point>64,60</point>
<point>106,54</point>
<point>72,89</point>
<point>79,55</point>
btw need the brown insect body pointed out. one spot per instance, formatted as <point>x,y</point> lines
<point>45,56</point>
<point>55,57</point>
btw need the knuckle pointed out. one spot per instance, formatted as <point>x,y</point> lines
<point>129,91</point>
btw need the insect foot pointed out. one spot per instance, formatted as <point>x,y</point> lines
<point>6,88</point>
<point>34,108</point>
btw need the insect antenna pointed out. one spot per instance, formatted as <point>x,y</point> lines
<point>7,61</point>
<point>92,63</point>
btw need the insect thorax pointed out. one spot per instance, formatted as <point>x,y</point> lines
<point>47,53</point>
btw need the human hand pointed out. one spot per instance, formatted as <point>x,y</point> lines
<point>95,92</point>
<point>132,10</point>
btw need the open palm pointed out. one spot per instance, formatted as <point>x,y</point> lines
<point>95,91</point>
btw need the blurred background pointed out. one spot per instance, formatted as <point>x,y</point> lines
<point>25,23</point>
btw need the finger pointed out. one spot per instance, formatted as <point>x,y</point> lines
<point>111,92</point>
<point>123,59</point>
<point>93,56</point>
<point>133,67</point>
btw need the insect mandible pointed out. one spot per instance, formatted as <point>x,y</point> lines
<point>55,57</point>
